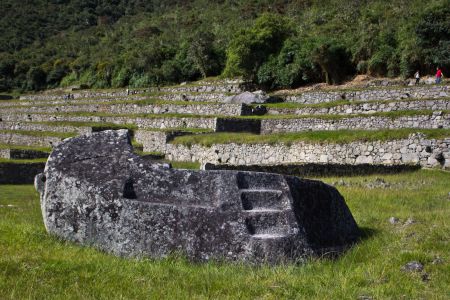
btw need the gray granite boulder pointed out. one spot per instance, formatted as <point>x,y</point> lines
<point>96,191</point>
<point>247,98</point>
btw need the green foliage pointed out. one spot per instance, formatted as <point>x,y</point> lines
<point>433,32</point>
<point>334,60</point>
<point>36,78</point>
<point>251,47</point>
<point>140,43</point>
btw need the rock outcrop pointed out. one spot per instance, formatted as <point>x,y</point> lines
<point>96,191</point>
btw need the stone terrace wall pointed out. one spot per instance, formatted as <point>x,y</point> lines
<point>367,123</point>
<point>204,88</point>
<point>211,109</point>
<point>415,150</point>
<point>152,141</point>
<point>365,108</point>
<point>69,101</point>
<point>5,153</point>
<point>160,123</point>
<point>423,92</point>
<point>83,95</point>
<point>43,127</point>
<point>22,154</point>
<point>28,140</point>
<point>196,97</point>
<point>156,141</point>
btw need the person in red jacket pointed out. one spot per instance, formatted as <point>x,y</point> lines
<point>438,75</point>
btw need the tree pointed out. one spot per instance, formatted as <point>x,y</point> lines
<point>250,48</point>
<point>334,60</point>
<point>433,32</point>
<point>201,52</point>
<point>36,78</point>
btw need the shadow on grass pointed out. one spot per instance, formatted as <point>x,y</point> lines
<point>367,233</point>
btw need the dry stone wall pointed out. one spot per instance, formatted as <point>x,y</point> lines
<point>43,127</point>
<point>365,108</point>
<point>59,101</point>
<point>152,141</point>
<point>269,126</point>
<point>83,95</point>
<point>4,153</point>
<point>232,87</point>
<point>28,140</point>
<point>211,109</point>
<point>22,154</point>
<point>423,92</point>
<point>194,97</point>
<point>415,150</point>
<point>158,123</point>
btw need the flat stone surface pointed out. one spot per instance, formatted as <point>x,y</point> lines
<point>96,191</point>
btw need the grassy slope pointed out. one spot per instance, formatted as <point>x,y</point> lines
<point>35,265</point>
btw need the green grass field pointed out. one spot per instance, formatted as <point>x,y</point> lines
<point>34,265</point>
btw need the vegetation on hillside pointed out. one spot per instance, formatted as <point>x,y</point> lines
<point>282,43</point>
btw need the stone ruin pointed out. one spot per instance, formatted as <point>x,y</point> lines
<point>96,191</point>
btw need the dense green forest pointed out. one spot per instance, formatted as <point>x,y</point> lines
<point>280,43</point>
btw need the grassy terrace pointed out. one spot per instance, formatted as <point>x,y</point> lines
<point>19,147</point>
<point>392,114</point>
<point>41,133</point>
<point>23,161</point>
<point>339,136</point>
<point>150,101</point>
<point>155,101</point>
<point>35,265</point>
<point>113,126</point>
<point>293,105</point>
<point>359,89</point>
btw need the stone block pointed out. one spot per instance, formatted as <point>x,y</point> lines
<point>410,158</point>
<point>95,191</point>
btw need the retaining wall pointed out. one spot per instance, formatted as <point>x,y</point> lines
<point>195,97</point>
<point>422,92</point>
<point>159,123</point>
<point>365,108</point>
<point>366,123</point>
<point>195,109</point>
<point>83,95</point>
<point>414,150</point>
<point>43,127</point>
<point>231,87</point>
<point>156,141</point>
<point>28,140</point>
<point>22,154</point>
<point>71,101</point>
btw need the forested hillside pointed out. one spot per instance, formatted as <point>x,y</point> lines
<point>281,43</point>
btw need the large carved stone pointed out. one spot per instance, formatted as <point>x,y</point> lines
<point>96,191</point>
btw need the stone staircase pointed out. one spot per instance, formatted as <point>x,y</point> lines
<point>269,218</point>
